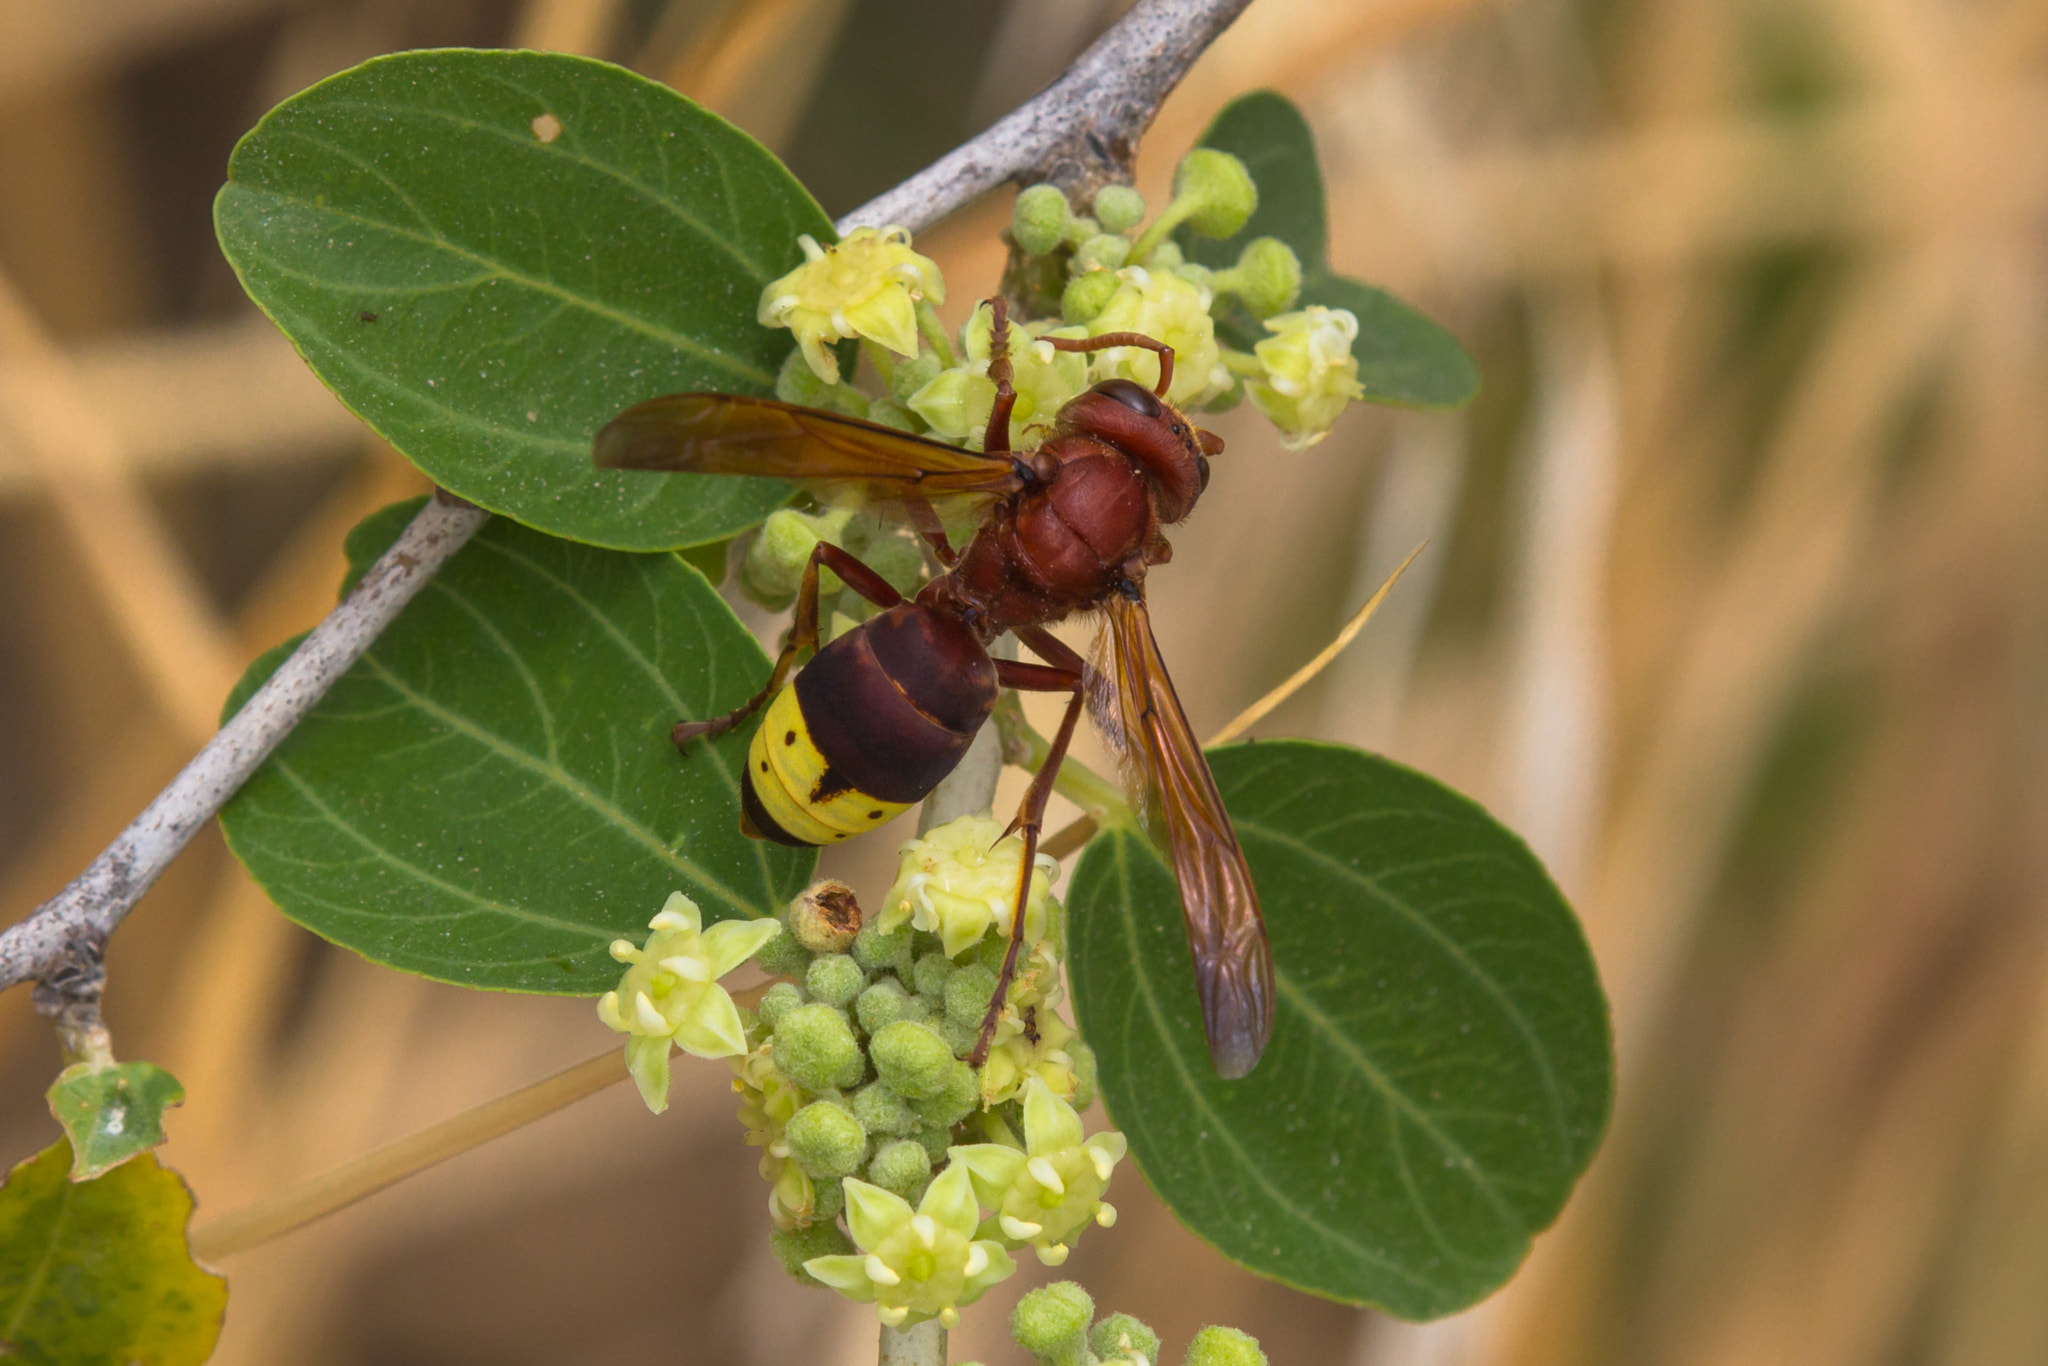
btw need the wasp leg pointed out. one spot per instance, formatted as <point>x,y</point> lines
<point>995,438</point>
<point>1062,674</point>
<point>803,634</point>
<point>1109,339</point>
<point>925,518</point>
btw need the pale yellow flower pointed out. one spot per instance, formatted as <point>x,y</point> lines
<point>868,285</point>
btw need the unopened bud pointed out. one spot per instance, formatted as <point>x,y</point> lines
<point>883,952</point>
<point>1214,192</point>
<point>777,1002</point>
<point>826,1141</point>
<point>903,1167</point>
<point>1103,251</point>
<point>1124,1336</point>
<point>929,974</point>
<point>1119,208</point>
<point>1039,220</point>
<point>1052,1321</point>
<point>793,1247</point>
<point>1267,277</point>
<point>1087,295</point>
<point>968,993</point>
<point>815,1048</point>
<point>881,1111</point>
<point>912,1059</point>
<point>1215,1346</point>
<point>953,1102</point>
<point>834,979</point>
<point>881,1004</point>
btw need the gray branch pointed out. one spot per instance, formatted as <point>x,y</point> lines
<point>61,942</point>
<point>1081,133</point>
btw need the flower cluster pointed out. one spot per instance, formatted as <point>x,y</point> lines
<point>1080,275</point>
<point>1053,1324</point>
<point>853,1083</point>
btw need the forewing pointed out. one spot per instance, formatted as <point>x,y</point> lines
<point>733,434</point>
<point>1134,705</point>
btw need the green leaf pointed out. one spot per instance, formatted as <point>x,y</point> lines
<point>487,299</point>
<point>1403,358</point>
<point>112,1111</point>
<point>1268,134</point>
<point>1441,1067</point>
<point>97,1273</point>
<point>489,796</point>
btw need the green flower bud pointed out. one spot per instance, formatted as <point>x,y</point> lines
<point>1087,295</point>
<point>778,1001</point>
<point>826,917</point>
<point>1119,208</point>
<point>1104,251</point>
<point>814,1046</point>
<point>881,1004</point>
<point>1052,1321</point>
<point>1214,192</point>
<point>887,412</point>
<point>990,952</point>
<point>826,1141</point>
<point>881,1111</point>
<point>1086,1078</point>
<point>880,950</point>
<point>1166,256</point>
<point>1311,374</point>
<point>968,993</point>
<point>959,1037</point>
<point>1039,219</point>
<point>929,974</point>
<point>782,956</point>
<point>828,1201</point>
<point>1200,276</point>
<point>867,285</point>
<point>913,374</point>
<point>1267,277</point>
<point>1215,1346</point>
<point>903,1167</point>
<point>897,559</point>
<point>835,979</point>
<point>793,1247</point>
<point>937,1142</point>
<point>773,566</point>
<point>913,1059</point>
<point>958,1099</point>
<point>1123,1337</point>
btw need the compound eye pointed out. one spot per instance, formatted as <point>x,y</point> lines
<point>1132,395</point>
<point>1202,466</point>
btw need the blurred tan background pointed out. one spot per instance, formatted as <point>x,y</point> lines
<point>1736,603</point>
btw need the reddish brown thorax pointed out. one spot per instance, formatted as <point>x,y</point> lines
<point>1120,464</point>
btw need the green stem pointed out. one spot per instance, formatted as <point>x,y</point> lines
<point>882,358</point>
<point>1027,749</point>
<point>1169,218</point>
<point>1243,364</point>
<point>933,331</point>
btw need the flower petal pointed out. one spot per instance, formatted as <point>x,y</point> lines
<point>872,1213</point>
<point>712,1028</point>
<point>845,1272</point>
<point>730,943</point>
<point>949,1200</point>
<point>1050,1124</point>
<point>993,1167</point>
<point>677,913</point>
<point>647,1061</point>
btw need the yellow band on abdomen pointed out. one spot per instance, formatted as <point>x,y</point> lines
<point>786,769</point>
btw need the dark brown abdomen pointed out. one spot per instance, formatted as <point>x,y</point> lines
<point>893,704</point>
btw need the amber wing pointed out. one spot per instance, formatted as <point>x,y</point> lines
<point>1135,708</point>
<point>732,434</point>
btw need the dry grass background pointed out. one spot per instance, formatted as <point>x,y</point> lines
<point>1736,603</point>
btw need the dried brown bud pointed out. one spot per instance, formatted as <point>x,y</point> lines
<point>825,918</point>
